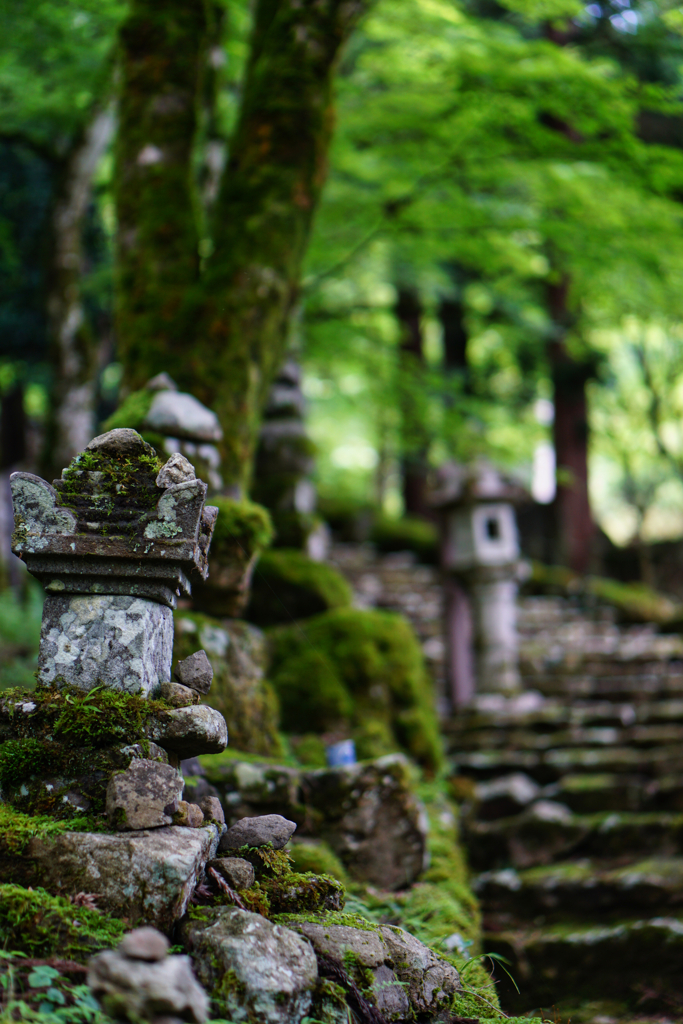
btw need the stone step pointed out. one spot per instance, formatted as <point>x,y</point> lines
<point>628,961</point>
<point>615,688</point>
<point>548,831</point>
<point>545,766</point>
<point>581,889</point>
<point>644,736</point>
<point>551,714</point>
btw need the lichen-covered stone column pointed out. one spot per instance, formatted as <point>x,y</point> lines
<point>114,543</point>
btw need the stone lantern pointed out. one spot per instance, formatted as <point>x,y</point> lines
<point>479,556</point>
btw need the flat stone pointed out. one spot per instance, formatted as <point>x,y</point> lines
<point>144,944</point>
<point>236,871</point>
<point>146,795</point>
<point>177,470</point>
<point>178,414</point>
<point>195,672</point>
<point>123,643</point>
<point>142,990</point>
<point>212,809</point>
<point>268,828</point>
<point>274,968</point>
<point>189,815</point>
<point>190,731</point>
<point>146,877</point>
<point>177,694</point>
<point>429,980</point>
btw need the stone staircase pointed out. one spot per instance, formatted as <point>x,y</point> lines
<point>573,816</point>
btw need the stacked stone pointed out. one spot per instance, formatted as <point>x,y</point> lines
<point>284,466</point>
<point>115,542</point>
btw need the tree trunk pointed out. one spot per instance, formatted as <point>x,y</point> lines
<point>162,50</point>
<point>574,526</point>
<point>408,311</point>
<point>72,350</point>
<point>263,214</point>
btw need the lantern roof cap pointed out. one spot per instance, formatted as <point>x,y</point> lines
<point>474,484</point>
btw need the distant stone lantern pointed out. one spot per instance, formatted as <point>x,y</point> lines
<point>479,556</point>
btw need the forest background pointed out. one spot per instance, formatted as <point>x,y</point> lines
<point>463,218</point>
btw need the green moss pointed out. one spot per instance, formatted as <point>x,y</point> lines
<point>319,858</point>
<point>132,412</point>
<point>17,828</point>
<point>407,534</point>
<point>288,585</point>
<point>357,667</point>
<point>311,751</point>
<point>34,922</point>
<point>22,758</point>
<point>330,917</point>
<point>292,529</point>
<point>241,525</point>
<point>301,892</point>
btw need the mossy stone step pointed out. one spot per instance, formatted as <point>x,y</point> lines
<point>582,889</point>
<point>640,687</point>
<point>547,831</point>
<point>550,765</point>
<point>621,960</point>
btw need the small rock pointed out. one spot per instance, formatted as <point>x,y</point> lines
<point>177,414</point>
<point>213,809</point>
<point>138,991</point>
<point>178,695</point>
<point>122,441</point>
<point>162,382</point>
<point>191,730</point>
<point>177,470</point>
<point>188,815</point>
<point>237,872</point>
<point>195,671</point>
<point>144,944</point>
<point>146,795</point>
<point>267,828</point>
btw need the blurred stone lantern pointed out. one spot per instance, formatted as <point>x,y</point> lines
<point>479,556</point>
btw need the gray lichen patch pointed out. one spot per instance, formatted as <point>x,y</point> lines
<point>122,642</point>
<point>35,508</point>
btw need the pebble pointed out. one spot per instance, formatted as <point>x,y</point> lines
<point>213,809</point>
<point>188,815</point>
<point>267,828</point>
<point>177,694</point>
<point>144,944</point>
<point>195,672</point>
<point>236,871</point>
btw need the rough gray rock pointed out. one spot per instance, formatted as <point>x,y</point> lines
<point>409,978</point>
<point>212,809</point>
<point>255,970</point>
<point>147,877</point>
<point>177,470</point>
<point>139,991</point>
<point>122,441</point>
<point>268,828</point>
<point>122,642</point>
<point>178,695</point>
<point>146,795</point>
<point>178,414</point>
<point>236,871</point>
<point>190,731</point>
<point>195,672</point>
<point>144,944</point>
<point>188,815</point>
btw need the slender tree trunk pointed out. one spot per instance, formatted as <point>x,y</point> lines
<point>264,212</point>
<point>162,51</point>
<point>408,311</point>
<point>574,526</point>
<point>72,348</point>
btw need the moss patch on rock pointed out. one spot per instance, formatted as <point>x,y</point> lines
<point>317,857</point>
<point>288,585</point>
<point>40,925</point>
<point>132,412</point>
<point>17,828</point>
<point>241,524</point>
<point>362,671</point>
<point>408,534</point>
<point>126,482</point>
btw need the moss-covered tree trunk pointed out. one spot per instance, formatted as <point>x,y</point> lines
<point>157,263</point>
<point>73,350</point>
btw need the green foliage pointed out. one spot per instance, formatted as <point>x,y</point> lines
<point>289,585</point>
<point>34,922</point>
<point>242,527</point>
<point>20,620</point>
<point>132,412</point>
<point>635,602</point>
<point>407,534</point>
<point>362,669</point>
<point>17,829</point>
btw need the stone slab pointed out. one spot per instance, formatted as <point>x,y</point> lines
<point>145,877</point>
<point>124,643</point>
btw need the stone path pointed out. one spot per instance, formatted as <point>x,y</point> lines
<point>573,815</point>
